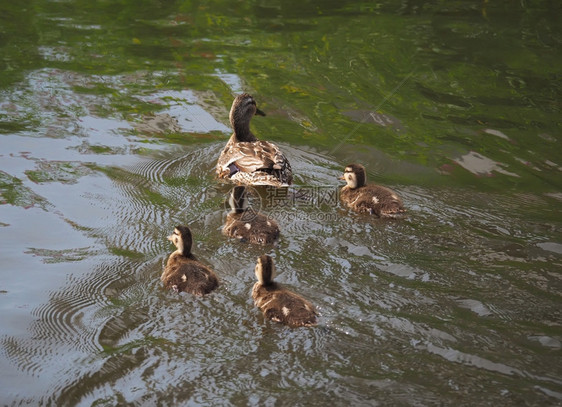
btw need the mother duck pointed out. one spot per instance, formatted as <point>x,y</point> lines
<point>247,160</point>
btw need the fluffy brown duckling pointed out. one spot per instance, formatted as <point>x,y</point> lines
<point>277,303</point>
<point>245,223</point>
<point>183,272</point>
<point>368,198</point>
<point>247,160</point>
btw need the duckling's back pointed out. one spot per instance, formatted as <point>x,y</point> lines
<point>374,199</point>
<point>281,305</point>
<point>259,229</point>
<point>183,274</point>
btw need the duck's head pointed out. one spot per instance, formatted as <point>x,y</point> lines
<point>265,270</point>
<point>238,199</point>
<point>242,110</point>
<point>181,238</point>
<point>355,176</point>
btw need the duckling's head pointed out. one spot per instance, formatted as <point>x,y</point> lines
<point>242,110</point>
<point>265,270</point>
<point>355,176</point>
<point>181,238</point>
<point>238,199</point>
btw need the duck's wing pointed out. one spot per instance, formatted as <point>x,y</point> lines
<point>253,156</point>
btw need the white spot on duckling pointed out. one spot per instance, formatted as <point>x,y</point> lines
<point>248,226</point>
<point>375,200</point>
<point>184,278</point>
<point>285,311</point>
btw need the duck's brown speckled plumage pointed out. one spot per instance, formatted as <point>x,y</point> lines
<point>246,224</point>
<point>369,198</point>
<point>278,303</point>
<point>247,160</point>
<point>183,272</point>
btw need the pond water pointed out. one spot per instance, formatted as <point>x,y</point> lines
<point>112,116</point>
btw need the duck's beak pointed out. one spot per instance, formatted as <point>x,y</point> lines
<point>170,237</point>
<point>259,112</point>
<point>342,177</point>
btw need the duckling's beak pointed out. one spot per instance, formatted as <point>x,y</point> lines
<point>170,237</point>
<point>259,112</point>
<point>342,177</point>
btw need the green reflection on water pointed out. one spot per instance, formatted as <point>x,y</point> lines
<point>325,73</point>
<point>13,192</point>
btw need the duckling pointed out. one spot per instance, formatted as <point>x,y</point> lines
<point>247,160</point>
<point>184,272</point>
<point>374,199</point>
<point>246,224</point>
<point>278,303</point>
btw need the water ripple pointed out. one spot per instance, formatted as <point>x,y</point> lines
<point>388,294</point>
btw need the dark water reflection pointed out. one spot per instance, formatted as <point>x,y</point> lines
<point>108,144</point>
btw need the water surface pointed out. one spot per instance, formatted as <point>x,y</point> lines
<point>112,117</point>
